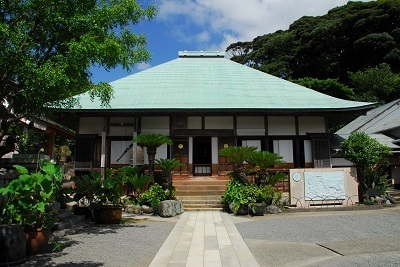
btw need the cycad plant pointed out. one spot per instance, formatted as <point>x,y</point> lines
<point>139,180</point>
<point>262,161</point>
<point>152,142</point>
<point>240,155</point>
<point>167,166</point>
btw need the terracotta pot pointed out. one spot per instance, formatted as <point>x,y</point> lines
<point>37,240</point>
<point>12,245</point>
<point>108,214</point>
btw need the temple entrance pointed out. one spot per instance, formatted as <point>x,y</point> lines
<point>202,155</point>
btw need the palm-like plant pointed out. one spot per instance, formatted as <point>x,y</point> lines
<point>152,142</point>
<point>239,155</point>
<point>167,166</point>
<point>135,175</point>
<point>262,161</point>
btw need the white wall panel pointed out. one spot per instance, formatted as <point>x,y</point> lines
<point>90,125</point>
<point>311,125</point>
<point>256,143</point>
<point>281,125</point>
<point>117,148</point>
<point>214,150</point>
<point>284,148</point>
<point>194,122</point>
<point>308,151</point>
<point>121,131</point>
<point>219,122</point>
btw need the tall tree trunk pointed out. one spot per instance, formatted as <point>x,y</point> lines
<point>151,153</point>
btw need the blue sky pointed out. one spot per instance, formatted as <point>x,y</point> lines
<point>213,25</point>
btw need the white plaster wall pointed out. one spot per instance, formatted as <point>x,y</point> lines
<point>117,148</point>
<point>194,122</point>
<point>308,157</point>
<point>284,148</point>
<point>281,125</point>
<point>159,125</point>
<point>251,126</point>
<point>256,143</point>
<point>90,125</point>
<point>214,150</point>
<point>162,153</point>
<point>311,125</point>
<point>219,122</point>
<point>122,120</point>
<point>190,150</point>
<point>121,131</point>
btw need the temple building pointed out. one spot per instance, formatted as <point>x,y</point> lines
<point>204,102</point>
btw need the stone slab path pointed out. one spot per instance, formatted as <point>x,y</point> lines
<point>204,238</point>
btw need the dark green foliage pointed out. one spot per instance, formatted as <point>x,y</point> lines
<point>48,47</point>
<point>155,195</point>
<point>239,155</point>
<point>350,38</point>
<point>27,199</point>
<point>370,158</point>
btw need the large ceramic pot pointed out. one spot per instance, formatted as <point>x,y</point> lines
<point>257,209</point>
<point>37,240</point>
<point>242,210</point>
<point>108,214</point>
<point>12,245</point>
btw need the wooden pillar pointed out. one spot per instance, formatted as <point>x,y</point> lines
<point>103,148</point>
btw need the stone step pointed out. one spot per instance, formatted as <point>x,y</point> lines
<point>200,182</point>
<point>199,201</point>
<point>203,209</point>
<point>210,197</point>
<point>205,206</point>
<point>198,192</point>
<point>200,187</point>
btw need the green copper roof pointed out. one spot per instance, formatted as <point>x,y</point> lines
<point>207,80</point>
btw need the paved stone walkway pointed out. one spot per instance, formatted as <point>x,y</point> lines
<point>204,238</point>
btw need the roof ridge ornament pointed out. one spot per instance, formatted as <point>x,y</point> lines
<point>201,54</point>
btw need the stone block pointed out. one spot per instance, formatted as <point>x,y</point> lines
<point>166,208</point>
<point>178,206</point>
<point>273,210</point>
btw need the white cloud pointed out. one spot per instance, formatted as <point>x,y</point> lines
<point>223,22</point>
<point>143,66</point>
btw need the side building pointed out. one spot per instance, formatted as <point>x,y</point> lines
<point>205,102</point>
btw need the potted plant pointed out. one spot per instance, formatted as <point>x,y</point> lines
<point>29,203</point>
<point>263,197</point>
<point>167,166</point>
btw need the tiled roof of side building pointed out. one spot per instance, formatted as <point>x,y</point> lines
<point>377,120</point>
<point>207,80</point>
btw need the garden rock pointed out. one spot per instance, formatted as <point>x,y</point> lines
<point>273,210</point>
<point>178,207</point>
<point>166,208</point>
<point>147,209</point>
<point>133,209</point>
<point>391,199</point>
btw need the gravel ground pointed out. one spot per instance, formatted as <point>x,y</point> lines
<point>350,238</point>
<point>134,243</point>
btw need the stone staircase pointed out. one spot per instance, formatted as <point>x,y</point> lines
<point>201,193</point>
<point>395,193</point>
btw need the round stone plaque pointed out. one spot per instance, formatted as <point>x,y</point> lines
<point>296,177</point>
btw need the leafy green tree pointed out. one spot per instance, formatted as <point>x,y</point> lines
<point>370,158</point>
<point>347,39</point>
<point>167,166</point>
<point>239,155</point>
<point>330,87</point>
<point>152,142</point>
<point>378,84</point>
<point>48,47</point>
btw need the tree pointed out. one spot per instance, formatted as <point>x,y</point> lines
<point>377,84</point>
<point>370,158</point>
<point>47,50</point>
<point>262,161</point>
<point>152,142</point>
<point>239,155</point>
<point>330,87</point>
